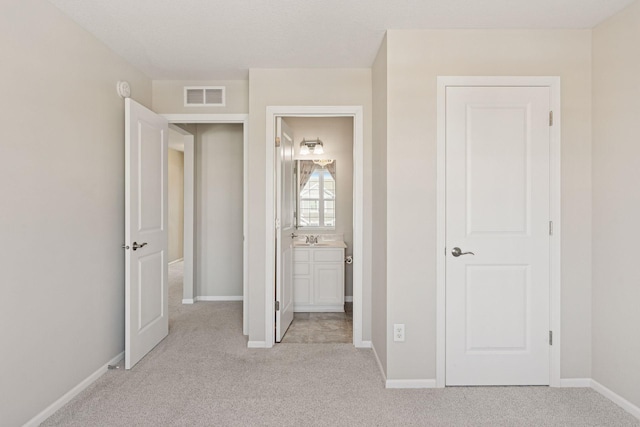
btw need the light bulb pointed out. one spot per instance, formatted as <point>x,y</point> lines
<point>304,150</point>
<point>318,149</point>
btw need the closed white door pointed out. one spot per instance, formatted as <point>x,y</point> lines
<point>146,242</point>
<point>285,228</point>
<point>497,223</point>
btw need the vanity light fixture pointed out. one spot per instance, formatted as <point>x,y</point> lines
<point>308,146</point>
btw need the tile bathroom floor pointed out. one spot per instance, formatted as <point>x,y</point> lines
<point>321,328</point>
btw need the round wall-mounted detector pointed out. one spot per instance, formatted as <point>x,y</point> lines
<point>124,90</point>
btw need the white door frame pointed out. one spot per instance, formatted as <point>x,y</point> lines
<point>555,195</point>
<point>356,112</point>
<point>189,202</point>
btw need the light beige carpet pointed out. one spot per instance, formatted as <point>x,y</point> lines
<point>202,374</point>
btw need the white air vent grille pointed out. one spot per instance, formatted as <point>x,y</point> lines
<point>204,96</point>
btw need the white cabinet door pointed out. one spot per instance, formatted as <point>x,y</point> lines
<point>328,284</point>
<point>497,204</point>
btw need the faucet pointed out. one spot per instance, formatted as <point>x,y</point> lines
<point>310,239</point>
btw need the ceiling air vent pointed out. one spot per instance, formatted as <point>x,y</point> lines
<point>204,96</point>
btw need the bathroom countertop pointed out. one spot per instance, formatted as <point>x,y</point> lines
<point>320,245</point>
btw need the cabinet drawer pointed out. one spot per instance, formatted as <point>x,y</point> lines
<point>303,255</point>
<point>328,255</point>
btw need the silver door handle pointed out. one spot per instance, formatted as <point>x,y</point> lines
<point>456,252</point>
<point>138,246</point>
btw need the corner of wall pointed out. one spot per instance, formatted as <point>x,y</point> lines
<point>379,217</point>
<point>615,346</point>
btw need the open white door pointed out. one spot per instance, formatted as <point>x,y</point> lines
<point>146,212</point>
<point>285,228</point>
<point>497,234</point>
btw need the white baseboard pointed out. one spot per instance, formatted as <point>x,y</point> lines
<point>575,382</point>
<point>187,301</point>
<point>51,409</point>
<point>410,384</point>
<point>176,260</point>
<point>375,354</point>
<point>219,298</point>
<point>616,398</point>
<point>401,383</point>
<point>257,344</point>
<point>348,299</point>
<point>364,344</point>
<point>318,309</point>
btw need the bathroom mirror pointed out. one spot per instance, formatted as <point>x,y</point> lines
<point>316,201</point>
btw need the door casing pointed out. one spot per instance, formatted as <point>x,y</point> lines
<point>357,113</point>
<point>555,214</point>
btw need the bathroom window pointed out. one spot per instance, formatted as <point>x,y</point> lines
<point>318,201</point>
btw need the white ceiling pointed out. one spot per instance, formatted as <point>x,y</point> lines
<point>222,39</point>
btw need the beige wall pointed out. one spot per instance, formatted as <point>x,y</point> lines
<point>299,87</point>
<point>176,203</point>
<point>379,326</point>
<point>60,78</point>
<point>168,97</point>
<point>616,204</point>
<point>218,210</point>
<point>62,215</point>
<point>415,59</point>
<point>336,134</point>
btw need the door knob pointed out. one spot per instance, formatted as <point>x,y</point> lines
<point>456,252</point>
<point>138,246</point>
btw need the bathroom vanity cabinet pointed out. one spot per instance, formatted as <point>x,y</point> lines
<point>318,279</point>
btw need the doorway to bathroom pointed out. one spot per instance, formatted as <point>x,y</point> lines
<point>314,191</point>
<point>316,200</point>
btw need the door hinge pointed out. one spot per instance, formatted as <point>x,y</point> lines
<point>550,337</point>
<point>550,228</point>
<point>550,118</point>
<point>277,141</point>
<point>277,305</point>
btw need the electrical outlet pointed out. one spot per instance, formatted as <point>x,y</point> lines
<point>398,332</point>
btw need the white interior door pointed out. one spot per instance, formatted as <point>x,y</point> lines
<point>146,212</point>
<point>497,206</point>
<point>285,228</point>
